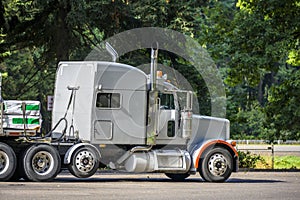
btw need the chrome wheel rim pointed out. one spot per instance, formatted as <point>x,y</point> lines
<point>4,162</point>
<point>217,164</point>
<point>84,161</point>
<point>42,162</point>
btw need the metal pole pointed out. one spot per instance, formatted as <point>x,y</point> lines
<point>272,148</point>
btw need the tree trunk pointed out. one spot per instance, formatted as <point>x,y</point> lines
<point>62,36</point>
<point>260,95</point>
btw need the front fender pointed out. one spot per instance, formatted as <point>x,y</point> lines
<point>198,150</point>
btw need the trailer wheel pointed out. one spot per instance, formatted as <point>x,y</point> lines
<point>41,163</point>
<point>84,162</point>
<point>177,177</point>
<point>8,162</point>
<point>216,165</point>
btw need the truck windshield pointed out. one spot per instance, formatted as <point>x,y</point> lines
<point>166,101</point>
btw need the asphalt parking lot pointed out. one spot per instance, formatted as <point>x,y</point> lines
<point>241,185</point>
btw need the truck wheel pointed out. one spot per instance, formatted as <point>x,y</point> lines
<point>8,162</point>
<point>41,163</point>
<point>177,177</point>
<point>84,162</point>
<point>216,165</point>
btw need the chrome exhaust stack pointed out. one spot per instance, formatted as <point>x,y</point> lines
<point>154,55</point>
<point>112,52</point>
<point>152,128</point>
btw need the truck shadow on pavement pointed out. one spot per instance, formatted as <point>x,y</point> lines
<point>165,180</point>
<point>236,180</point>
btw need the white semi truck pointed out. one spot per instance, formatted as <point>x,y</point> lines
<point>114,115</point>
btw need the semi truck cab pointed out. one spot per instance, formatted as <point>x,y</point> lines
<point>115,115</point>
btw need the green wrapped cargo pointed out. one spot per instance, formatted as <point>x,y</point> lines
<point>13,107</point>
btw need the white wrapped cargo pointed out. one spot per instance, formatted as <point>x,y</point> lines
<point>14,107</point>
<point>17,122</point>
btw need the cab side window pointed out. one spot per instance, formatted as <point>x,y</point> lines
<point>166,101</point>
<point>108,100</point>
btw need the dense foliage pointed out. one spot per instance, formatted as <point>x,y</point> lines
<point>255,44</point>
<point>250,161</point>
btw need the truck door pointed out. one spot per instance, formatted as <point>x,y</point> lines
<point>168,116</point>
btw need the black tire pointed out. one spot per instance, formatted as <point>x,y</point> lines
<point>19,173</point>
<point>177,177</point>
<point>216,165</point>
<point>84,162</point>
<point>8,162</point>
<point>16,176</point>
<point>41,163</point>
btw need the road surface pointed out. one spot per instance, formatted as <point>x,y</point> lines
<point>242,185</point>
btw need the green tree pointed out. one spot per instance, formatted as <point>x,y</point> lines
<point>252,41</point>
<point>283,110</point>
<point>254,44</point>
<point>37,34</point>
